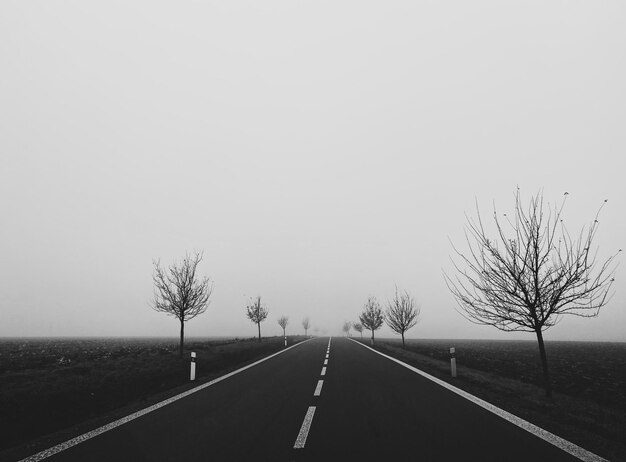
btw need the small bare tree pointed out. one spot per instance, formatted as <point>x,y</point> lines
<point>179,292</point>
<point>402,313</point>
<point>282,322</point>
<point>306,324</point>
<point>256,313</point>
<point>532,273</point>
<point>358,327</point>
<point>372,315</point>
<point>346,328</point>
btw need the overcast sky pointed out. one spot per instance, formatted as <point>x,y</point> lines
<point>317,152</point>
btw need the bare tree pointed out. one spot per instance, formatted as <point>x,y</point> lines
<point>358,327</point>
<point>372,315</point>
<point>532,273</point>
<point>346,328</point>
<point>402,313</point>
<point>256,312</point>
<point>179,292</point>
<point>282,322</point>
<point>306,324</point>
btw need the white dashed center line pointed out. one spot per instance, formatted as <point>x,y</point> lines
<point>318,389</point>
<point>308,418</point>
<point>304,430</point>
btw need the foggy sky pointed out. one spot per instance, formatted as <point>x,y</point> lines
<point>317,152</point>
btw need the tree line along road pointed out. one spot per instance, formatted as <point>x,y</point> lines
<point>323,399</point>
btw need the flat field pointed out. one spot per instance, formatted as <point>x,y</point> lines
<point>594,371</point>
<point>50,384</point>
<point>589,380</point>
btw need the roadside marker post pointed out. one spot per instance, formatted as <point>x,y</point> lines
<point>285,340</point>
<point>453,361</point>
<point>192,375</point>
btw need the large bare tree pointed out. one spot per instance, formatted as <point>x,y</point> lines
<point>372,315</point>
<point>306,324</point>
<point>531,272</point>
<point>402,313</point>
<point>256,313</point>
<point>282,322</point>
<point>358,327</point>
<point>180,292</point>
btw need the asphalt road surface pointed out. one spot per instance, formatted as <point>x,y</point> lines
<point>293,407</point>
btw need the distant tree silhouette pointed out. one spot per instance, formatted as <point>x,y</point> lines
<point>306,324</point>
<point>282,322</point>
<point>346,328</point>
<point>531,273</point>
<point>256,313</point>
<point>372,315</point>
<point>402,313</point>
<point>179,292</point>
<point>358,327</point>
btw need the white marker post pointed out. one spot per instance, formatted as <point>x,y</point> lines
<point>192,375</point>
<point>285,340</point>
<point>452,362</point>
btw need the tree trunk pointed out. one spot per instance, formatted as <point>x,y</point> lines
<point>259,326</point>
<point>361,335</point>
<point>544,364</point>
<point>403,340</point>
<point>372,336</point>
<point>182,338</point>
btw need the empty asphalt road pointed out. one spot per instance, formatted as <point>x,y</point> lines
<point>326,399</point>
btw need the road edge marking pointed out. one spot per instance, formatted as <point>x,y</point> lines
<point>561,443</point>
<point>304,429</point>
<point>110,426</point>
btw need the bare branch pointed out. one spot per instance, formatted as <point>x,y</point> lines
<point>402,313</point>
<point>179,292</point>
<point>283,321</point>
<point>532,273</point>
<point>372,315</point>
<point>256,313</point>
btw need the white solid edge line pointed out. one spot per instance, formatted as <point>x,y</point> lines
<point>539,432</point>
<point>323,371</point>
<point>110,426</point>
<point>304,430</point>
<point>318,388</point>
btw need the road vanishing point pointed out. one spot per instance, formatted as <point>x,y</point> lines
<point>323,399</point>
